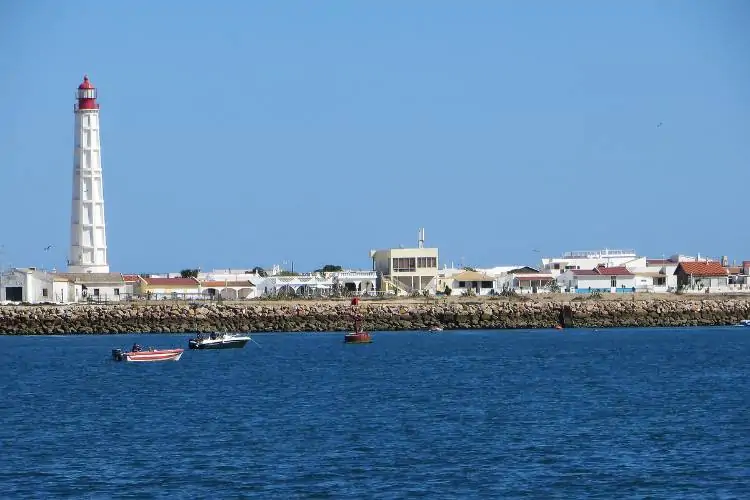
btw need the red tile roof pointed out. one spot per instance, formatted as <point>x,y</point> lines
<point>603,271</point>
<point>702,268</point>
<point>130,278</point>
<point>614,271</point>
<point>585,272</point>
<point>190,282</point>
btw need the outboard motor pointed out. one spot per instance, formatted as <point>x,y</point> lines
<point>117,354</point>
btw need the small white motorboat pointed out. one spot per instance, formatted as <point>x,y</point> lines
<point>744,322</point>
<point>218,340</point>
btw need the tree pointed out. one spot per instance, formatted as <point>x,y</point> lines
<point>329,268</point>
<point>189,273</point>
<point>259,271</point>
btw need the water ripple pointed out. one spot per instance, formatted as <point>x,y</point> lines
<point>526,414</point>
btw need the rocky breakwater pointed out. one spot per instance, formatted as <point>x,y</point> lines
<point>379,316</point>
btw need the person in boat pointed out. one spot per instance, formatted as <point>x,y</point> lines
<point>136,348</point>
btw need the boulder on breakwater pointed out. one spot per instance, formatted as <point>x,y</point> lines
<point>379,315</point>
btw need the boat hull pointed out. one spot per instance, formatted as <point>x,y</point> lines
<point>358,338</point>
<point>149,356</point>
<point>218,344</point>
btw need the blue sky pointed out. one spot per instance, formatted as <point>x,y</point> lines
<point>237,134</point>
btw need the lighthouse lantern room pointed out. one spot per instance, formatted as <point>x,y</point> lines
<point>88,241</point>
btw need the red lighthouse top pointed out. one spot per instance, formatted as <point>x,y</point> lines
<point>86,95</point>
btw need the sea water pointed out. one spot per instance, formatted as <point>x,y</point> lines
<point>621,413</point>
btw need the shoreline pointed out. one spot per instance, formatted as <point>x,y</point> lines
<point>454,313</point>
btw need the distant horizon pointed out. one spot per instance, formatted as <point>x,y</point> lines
<point>257,134</point>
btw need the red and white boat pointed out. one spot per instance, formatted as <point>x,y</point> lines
<point>143,356</point>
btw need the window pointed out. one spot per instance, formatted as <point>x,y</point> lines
<point>428,262</point>
<point>45,293</point>
<point>613,281</point>
<point>461,284</point>
<point>404,265</point>
<point>486,284</point>
<point>117,292</point>
<point>96,292</point>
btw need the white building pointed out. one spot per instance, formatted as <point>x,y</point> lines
<point>702,277</point>
<point>37,286</point>
<point>159,288</point>
<point>654,275</point>
<point>617,279</point>
<point>303,285</point>
<point>406,270</point>
<point>355,282</point>
<point>88,240</point>
<point>473,282</point>
<point>532,282</point>
<point>26,285</point>
<point>95,287</point>
<point>587,260</point>
<point>229,290</point>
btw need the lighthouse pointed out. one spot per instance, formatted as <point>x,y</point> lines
<point>88,236</point>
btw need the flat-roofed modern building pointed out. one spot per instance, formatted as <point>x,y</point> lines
<point>406,270</point>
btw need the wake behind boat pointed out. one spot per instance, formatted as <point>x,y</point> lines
<point>139,355</point>
<point>218,340</point>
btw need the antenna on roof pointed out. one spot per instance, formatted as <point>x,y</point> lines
<point>420,237</point>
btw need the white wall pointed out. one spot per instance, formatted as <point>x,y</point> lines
<point>586,263</point>
<point>34,284</point>
<point>106,291</point>
<point>605,282</point>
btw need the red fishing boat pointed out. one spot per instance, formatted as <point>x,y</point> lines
<point>358,336</point>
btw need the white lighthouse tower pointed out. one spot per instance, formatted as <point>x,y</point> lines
<point>88,238</point>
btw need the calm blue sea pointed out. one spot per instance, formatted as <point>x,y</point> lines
<point>636,413</point>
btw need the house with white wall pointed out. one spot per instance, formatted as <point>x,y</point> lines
<point>38,286</point>
<point>586,259</point>
<point>532,282</point>
<point>653,275</point>
<point>26,285</point>
<point>228,290</point>
<point>472,282</point>
<point>301,285</point>
<point>617,279</point>
<point>95,286</point>
<point>156,288</point>
<point>702,277</point>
